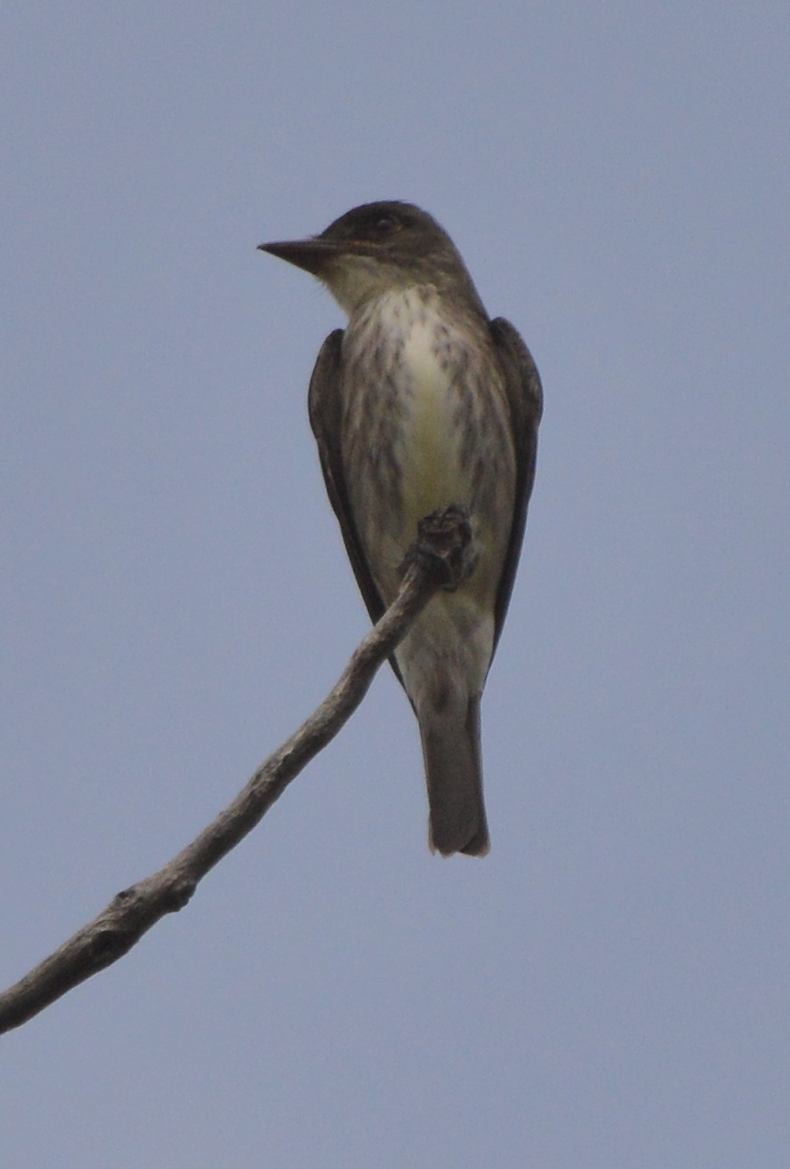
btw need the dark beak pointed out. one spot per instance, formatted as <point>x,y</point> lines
<point>310,254</point>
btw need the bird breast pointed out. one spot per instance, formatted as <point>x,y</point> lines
<point>423,419</point>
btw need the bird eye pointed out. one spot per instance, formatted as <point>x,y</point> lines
<point>385,224</point>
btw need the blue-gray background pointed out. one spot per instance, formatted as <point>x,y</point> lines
<point>609,988</point>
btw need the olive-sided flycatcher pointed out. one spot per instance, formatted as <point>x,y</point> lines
<point>422,402</point>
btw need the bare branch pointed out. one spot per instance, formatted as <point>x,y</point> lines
<point>440,557</point>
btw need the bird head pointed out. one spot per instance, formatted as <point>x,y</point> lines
<point>376,249</point>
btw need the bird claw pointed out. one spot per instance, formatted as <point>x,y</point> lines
<point>444,545</point>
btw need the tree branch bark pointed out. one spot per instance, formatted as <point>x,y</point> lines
<point>437,559</point>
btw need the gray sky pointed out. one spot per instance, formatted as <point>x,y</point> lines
<point>609,987</point>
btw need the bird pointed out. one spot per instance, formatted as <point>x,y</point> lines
<point>422,402</point>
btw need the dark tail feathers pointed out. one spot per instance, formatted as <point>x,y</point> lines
<point>453,769</point>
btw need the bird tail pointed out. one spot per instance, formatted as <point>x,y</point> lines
<point>453,769</point>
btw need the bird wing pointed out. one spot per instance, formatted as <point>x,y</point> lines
<point>525,398</point>
<point>325,406</point>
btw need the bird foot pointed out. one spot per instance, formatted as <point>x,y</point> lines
<point>444,544</point>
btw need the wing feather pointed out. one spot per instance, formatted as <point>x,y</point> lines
<point>525,397</point>
<point>325,408</point>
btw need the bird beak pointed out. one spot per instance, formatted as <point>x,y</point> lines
<point>311,254</point>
